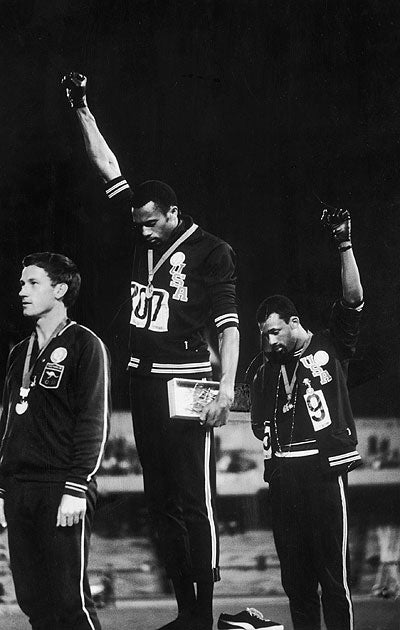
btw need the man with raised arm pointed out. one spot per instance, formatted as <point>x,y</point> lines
<point>53,428</point>
<point>181,277</point>
<point>301,409</point>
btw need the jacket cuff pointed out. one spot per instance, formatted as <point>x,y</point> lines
<point>75,488</point>
<point>357,306</point>
<point>336,461</point>
<point>229,320</point>
<point>116,186</point>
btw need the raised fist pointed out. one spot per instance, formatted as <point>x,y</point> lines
<point>338,222</point>
<point>75,88</point>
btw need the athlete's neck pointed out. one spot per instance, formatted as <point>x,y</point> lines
<point>302,338</point>
<point>47,323</point>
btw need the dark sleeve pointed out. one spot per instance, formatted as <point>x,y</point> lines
<point>117,234</point>
<point>220,279</point>
<point>93,411</point>
<point>344,327</point>
<point>119,192</point>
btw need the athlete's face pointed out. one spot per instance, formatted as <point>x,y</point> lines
<point>156,227</point>
<point>279,337</point>
<point>37,294</point>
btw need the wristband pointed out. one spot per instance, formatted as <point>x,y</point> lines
<point>345,248</point>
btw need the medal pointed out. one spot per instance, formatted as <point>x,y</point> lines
<point>21,407</point>
<point>287,407</point>
<point>27,381</point>
<point>22,404</point>
<point>149,290</point>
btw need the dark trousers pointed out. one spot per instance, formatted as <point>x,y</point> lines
<point>309,515</point>
<point>48,563</point>
<point>178,463</point>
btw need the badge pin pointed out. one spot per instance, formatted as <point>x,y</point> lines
<point>321,357</point>
<point>307,383</point>
<point>177,259</point>
<point>58,355</point>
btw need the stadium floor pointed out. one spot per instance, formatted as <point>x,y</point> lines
<point>370,613</point>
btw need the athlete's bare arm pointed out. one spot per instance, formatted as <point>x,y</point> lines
<point>216,413</point>
<point>99,153</point>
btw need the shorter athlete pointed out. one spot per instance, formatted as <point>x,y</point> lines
<point>301,409</point>
<point>53,428</point>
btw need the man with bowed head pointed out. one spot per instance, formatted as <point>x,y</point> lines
<point>301,410</point>
<point>53,428</point>
<point>181,277</point>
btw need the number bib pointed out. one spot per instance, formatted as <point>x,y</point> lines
<point>317,409</point>
<point>150,312</point>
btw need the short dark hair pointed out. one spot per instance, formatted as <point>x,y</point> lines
<point>60,269</point>
<point>279,304</point>
<point>153,190</point>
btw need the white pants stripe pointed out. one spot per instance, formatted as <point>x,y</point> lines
<point>82,594</point>
<point>207,492</point>
<point>344,551</point>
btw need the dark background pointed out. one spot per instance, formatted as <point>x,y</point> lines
<point>251,110</point>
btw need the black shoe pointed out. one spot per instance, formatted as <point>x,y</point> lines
<point>249,619</point>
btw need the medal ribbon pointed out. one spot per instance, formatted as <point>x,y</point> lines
<point>27,373</point>
<point>153,270</point>
<point>289,386</point>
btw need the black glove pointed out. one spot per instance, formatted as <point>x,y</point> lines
<point>338,222</point>
<point>75,87</point>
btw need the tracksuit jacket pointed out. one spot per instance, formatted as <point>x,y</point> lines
<point>61,435</point>
<point>323,367</point>
<point>193,287</point>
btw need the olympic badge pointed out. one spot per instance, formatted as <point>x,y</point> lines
<point>51,376</point>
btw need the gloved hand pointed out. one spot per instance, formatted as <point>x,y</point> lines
<point>338,222</point>
<point>75,87</point>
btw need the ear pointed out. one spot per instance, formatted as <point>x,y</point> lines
<point>173,211</point>
<point>60,290</point>
<point>294,322</point>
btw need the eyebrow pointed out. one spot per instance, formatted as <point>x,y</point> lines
<point>21,280</point>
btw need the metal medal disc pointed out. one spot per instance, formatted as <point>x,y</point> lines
<point>21,407</point>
